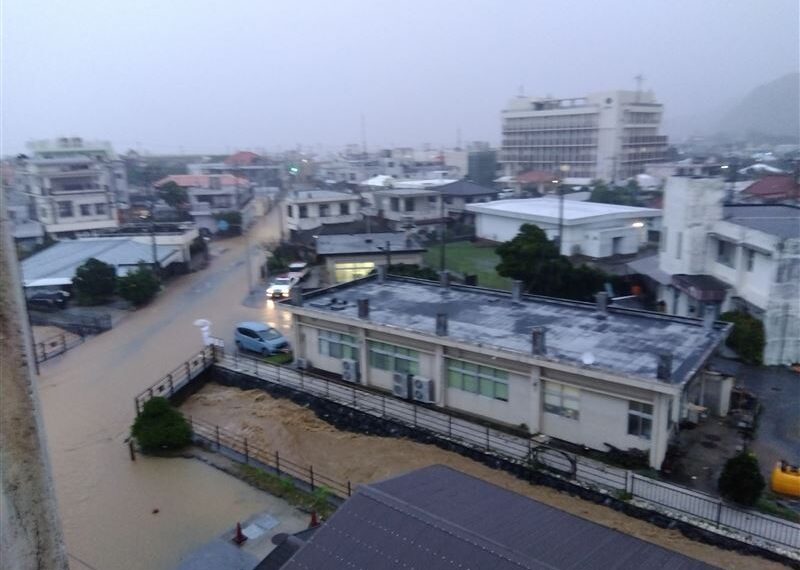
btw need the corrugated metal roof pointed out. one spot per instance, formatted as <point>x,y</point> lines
<point>437,517</point>
<point>60,260</point>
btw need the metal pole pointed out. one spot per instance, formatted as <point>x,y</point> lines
<point>443,230</point>
<point>560,215</point>
<point>388,254</point>
<point>247,262</point>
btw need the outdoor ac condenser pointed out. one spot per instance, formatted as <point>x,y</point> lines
<point>400,384</point>
<point>422,389</point>
<point>302,363</point>
<point>349,370</point>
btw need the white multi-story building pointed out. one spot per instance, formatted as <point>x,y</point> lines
<point>410,203</point>
<point>310,209</point>
<point>610,135</point>
<point>74,185</point>
<point>725,257</point>
<point>579,372</point>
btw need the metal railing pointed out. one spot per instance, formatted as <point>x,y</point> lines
<point>55,345</point>
<point>179,377</point>
<point>695,507</point>
<point>239,449</point>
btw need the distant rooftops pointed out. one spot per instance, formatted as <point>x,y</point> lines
<point>547,210</point>
<point>203,180</point>
<point>305,196</point>
<point>465,188</point>
<point>625,342</point>
<point>437,517</point>
<point>366,243</point>
<point>778,220</point>
<point>773,188</point>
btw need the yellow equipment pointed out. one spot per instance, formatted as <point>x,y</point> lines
<point>786,479</point>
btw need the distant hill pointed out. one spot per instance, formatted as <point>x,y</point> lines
<point>771,110</point>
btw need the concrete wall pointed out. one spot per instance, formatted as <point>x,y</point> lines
<point>313,218</point>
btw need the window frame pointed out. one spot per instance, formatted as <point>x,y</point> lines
<point>337,345</point>
<point>485,381</point>
<point>393,358</point>
<point>558,392</point>
<point>639,417</point>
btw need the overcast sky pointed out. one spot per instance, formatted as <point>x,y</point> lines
<point>214,76</point>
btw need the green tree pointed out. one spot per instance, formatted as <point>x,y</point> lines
<point>623,195</point>
<point>139,286</point>
<point>234,221</point>
<point>94,282</point>
<point>160,427</point>
<point>174,195</point>
<point>741,480</point>
<point>747,337</point>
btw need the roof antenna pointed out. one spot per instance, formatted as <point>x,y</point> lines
<point>363,135</point>
<point>639,79</point>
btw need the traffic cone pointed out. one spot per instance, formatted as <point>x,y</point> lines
<point>314,521</point>
<point>239,538</point>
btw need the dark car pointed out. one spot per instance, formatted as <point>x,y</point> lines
<point>48,300</point>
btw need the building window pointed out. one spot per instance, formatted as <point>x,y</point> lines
<point>303,210</point>
<point>65,209</point>
<point>483,380</point>
<point>355,270</point>
<point>344,208</point>
<point>640,419</point>
<point>408,205</point>
<point>337,345</point>
<point>100,209</point>
<point>562,400</point>
<point>679,245</point>
<point>431,199</point>
<point>751,259</point>
<point>662,245</point>
<point>393,358</point>
<point>726,252</point>
<point>324,210</point>
<point>289,211</point>
<point>86,209</point>
<point>394,204</point>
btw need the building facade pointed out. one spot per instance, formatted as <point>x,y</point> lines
<point>591,229</point>
<point>352,256</point>
<point>215,195</point>
<point>724,257</point>
<point>610,135</point>
<point>310,209</point>
<point>72,185</point>
<point>410,204</point>
<point>591,375</point>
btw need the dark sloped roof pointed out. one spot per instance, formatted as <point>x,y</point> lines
<point>464,188</point>
<point>437,517</point>
<point>775,219</point>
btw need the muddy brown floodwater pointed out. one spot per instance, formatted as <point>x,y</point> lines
<point>106,501</point>
<point>300,436</point>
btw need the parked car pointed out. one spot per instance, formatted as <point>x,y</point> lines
<point>261,338</point>
<point>48,300</point>
<point>281,286</point>
<point>299,270</point>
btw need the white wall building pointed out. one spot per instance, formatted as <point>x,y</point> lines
<point>725,257</point>
<point>310,209</point>
<point>591,229</point>
<point>610,135</point>
<point>74,185</point>
<point>579,372</point>
<point>411,204</point>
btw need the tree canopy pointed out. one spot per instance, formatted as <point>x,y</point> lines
<point>139,286</point>
<point>741,480</point>
<point>623,195</point>
<point>175,196</point>
<point>94,282</point>
<point>535,260</point>
<point>160,427</point>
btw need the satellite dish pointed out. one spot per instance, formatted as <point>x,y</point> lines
<point>587,358</point>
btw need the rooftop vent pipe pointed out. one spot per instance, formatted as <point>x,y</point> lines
<point>709,316</point>
<point>296,296</point>
<point>601,304</point>
<point>664,367</point>
<point>538,344</point>
<point>363,308</point>
<point>444,278</point>
<point>441,324</point>
<point>516,290</point>
<point>381,273</point>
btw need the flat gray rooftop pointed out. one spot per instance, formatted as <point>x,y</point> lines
<point>626,342</point>
<point>774,219</point>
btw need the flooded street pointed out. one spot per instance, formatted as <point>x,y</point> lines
<point>106,501</point>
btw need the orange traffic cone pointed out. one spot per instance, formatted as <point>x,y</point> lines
<point>239,538</point>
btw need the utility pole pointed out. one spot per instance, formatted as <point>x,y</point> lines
<point>442,232</point>
<point>388,254</point>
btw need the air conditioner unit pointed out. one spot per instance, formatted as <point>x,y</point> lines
<point>302,363</point>
<point>422,389</point>
<point>349,370</point>
<point>400,384</point>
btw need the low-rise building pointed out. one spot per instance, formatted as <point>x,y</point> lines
<point>72,185</point>
<point>462,192</point>
<point>725,257</point>
<point>591,229</point>
<point>579,372</point>
<point>214,195</point>
<point>352,256</point>
<point>310,209</point>
<point>410,204</point>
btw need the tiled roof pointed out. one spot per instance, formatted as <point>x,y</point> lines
<point>242,158</point>
<point>772,187</point>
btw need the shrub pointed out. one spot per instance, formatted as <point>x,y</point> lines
<point>160,427</point>
<point>741,480</point>
<point>747,337</point>
<point>139,287</point>
<point>413,270</point>
<point>94,282</point>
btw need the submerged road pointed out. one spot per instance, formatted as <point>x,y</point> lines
<point>106,501</point>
